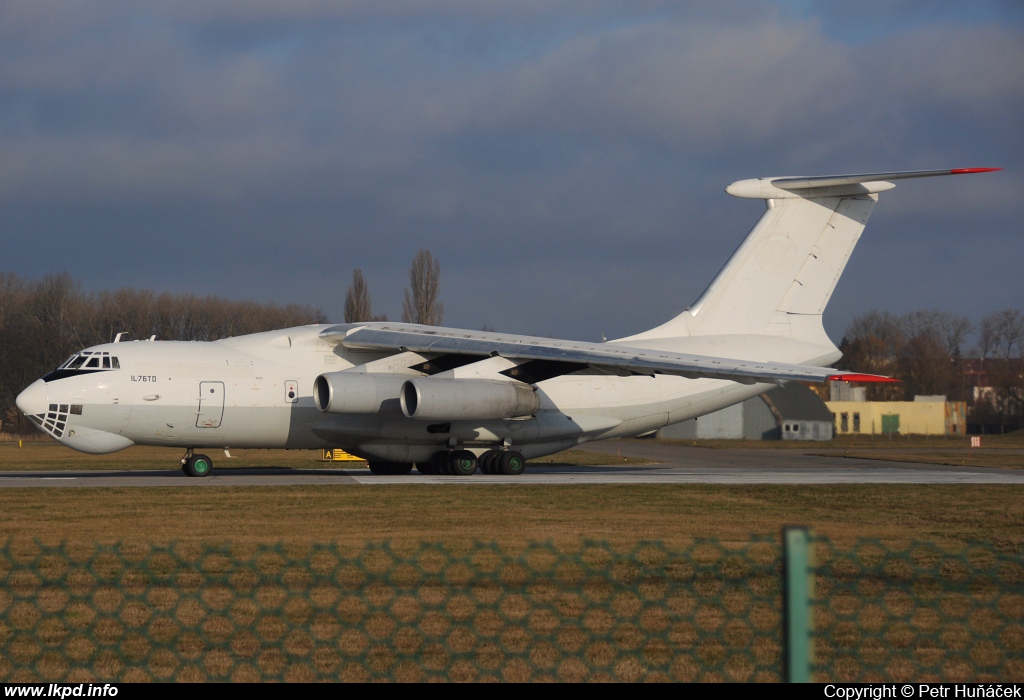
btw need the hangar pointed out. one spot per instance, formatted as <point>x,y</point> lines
<point>792,412</point>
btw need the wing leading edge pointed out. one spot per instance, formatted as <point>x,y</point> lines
<point>427,339</point>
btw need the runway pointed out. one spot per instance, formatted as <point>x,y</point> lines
<point>674,464</point>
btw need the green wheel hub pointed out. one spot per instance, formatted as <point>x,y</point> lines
<point>198,465</point>
<point>512,463</point>
<point>462,463</point>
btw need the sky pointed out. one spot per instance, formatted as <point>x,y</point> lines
<point>564,161</point>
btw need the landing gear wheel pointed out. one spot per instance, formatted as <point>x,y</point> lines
<point>489,461</point>
<point>438,464</point>
<point>198,465</point>
<point>462,463</point>
<point>390,468</point>
<point>512,463</point>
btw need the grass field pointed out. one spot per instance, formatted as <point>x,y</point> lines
<point>1004,451</point>
<point>1009,441</point>
<point>565,514</point>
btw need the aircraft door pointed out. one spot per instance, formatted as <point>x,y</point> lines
<point>211,405</point>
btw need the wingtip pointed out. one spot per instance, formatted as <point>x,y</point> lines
<point>968,171</point>
<point>867,378</point>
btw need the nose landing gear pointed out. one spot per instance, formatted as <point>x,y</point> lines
<point>196,465</point>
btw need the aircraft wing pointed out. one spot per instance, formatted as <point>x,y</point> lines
<point>447,341</point>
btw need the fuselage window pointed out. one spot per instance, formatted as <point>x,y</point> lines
<point>106,363</point>
<point>114,363</point>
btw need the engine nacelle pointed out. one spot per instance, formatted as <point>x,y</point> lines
<point>351,392</point>
<point>424,398</point>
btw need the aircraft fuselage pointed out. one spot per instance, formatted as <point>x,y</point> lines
<point>256,392</point>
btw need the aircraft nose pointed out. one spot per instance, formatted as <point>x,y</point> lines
<point>34,400</point>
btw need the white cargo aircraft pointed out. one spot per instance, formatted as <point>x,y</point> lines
<point>451,400</point>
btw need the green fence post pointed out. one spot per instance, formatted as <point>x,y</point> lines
<point>798,594</point>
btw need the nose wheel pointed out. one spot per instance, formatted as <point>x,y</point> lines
<point>196,465</point>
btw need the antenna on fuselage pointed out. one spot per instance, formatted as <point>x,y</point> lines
<point>117,338</point>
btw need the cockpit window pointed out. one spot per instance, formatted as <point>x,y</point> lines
<point>75,362</point>
<point>84,362</point>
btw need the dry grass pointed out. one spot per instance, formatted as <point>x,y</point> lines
<point>1009,441</point>
<point>565,514</point>
<point>1002,451</point>
<point>1004,459</point>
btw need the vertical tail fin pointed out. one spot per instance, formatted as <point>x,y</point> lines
<point>787,266</point>
<point>782,276</point>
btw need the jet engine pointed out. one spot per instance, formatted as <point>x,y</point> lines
<point>467,399</point>
<point>351,392</point>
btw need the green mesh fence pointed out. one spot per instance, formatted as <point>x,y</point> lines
<point>427,613</point>
<point>918,612</point>
<point>710,611</point>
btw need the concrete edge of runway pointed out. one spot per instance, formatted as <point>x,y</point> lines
<point>670,464</point>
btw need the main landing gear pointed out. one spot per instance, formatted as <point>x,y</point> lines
<point>196,465</point>
<point>464,463</point>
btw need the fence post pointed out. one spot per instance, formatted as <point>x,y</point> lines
<point>797,596</point>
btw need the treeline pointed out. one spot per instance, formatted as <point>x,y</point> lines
<point>44,321</point>
<point>928,352</point>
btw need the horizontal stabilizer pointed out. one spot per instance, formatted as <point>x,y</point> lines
<point>797,183</point>
<point>833,185</point>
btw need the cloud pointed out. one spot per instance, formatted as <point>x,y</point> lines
<point>591,136</point>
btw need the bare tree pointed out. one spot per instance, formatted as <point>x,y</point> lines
<point>1001,345</point>
<point>925,366</point>
<point>421,304</point>
<point>922,348</point>
<point>952,330</point>
<point>872,344</point>
<point>357,299</point>
<point>1002,334</point>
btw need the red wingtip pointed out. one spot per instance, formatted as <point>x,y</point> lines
<point>873,378</point>
<point>966,171</point>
